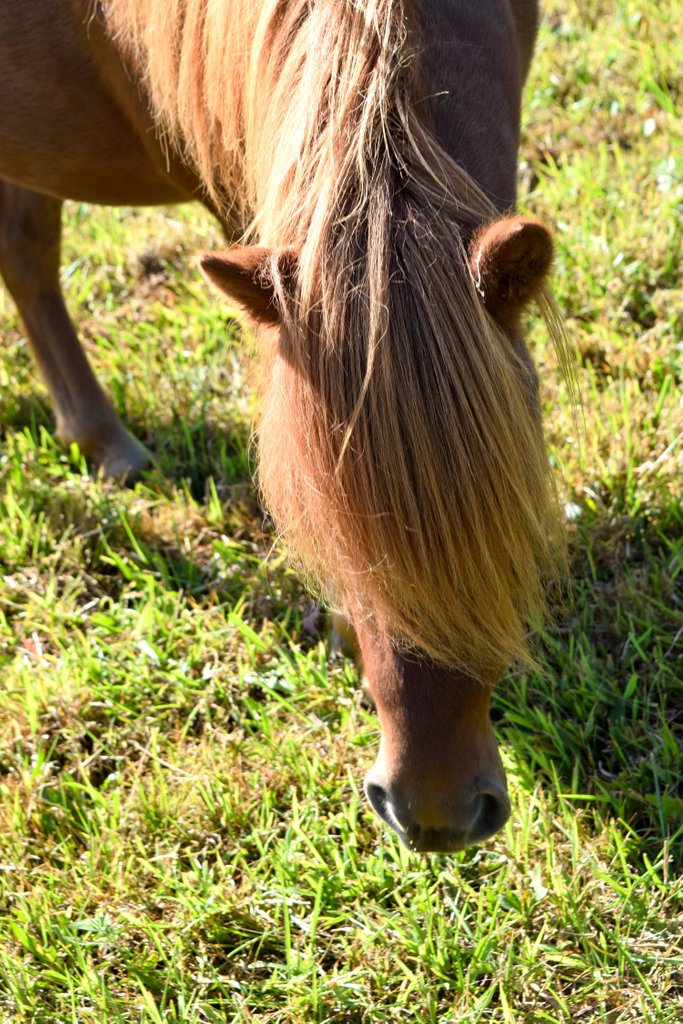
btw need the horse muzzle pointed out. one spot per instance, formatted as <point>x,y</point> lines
<point>428,829</point>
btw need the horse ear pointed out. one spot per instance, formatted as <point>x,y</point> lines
<point>253,277</point>
<point>509,260</point>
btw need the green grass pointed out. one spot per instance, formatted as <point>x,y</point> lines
<point>183,835</point>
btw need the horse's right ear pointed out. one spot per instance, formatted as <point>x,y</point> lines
<point>253,277</point>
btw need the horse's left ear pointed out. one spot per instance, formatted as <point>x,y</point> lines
<point>509,260</point>
<point>253,277</point>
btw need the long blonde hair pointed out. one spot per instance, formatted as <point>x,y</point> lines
<point>397,450</point>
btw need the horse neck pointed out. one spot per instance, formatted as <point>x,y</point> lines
<point>473,63</point>
<point>469,69</point>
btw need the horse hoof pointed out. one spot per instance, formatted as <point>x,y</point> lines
<point>124,460</point>
<point>111,450</point>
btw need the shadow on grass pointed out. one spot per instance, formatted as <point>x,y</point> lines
<point>200,455</point>
<point>25,412</point>
<point>188,453</point>
<point>193,522</point>
<point>603,718</point>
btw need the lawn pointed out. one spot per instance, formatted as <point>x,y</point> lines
<point>183,833</point>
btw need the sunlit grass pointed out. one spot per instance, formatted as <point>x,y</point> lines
<point>183,835</point>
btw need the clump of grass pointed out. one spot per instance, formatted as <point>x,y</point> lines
<point>182,831</point>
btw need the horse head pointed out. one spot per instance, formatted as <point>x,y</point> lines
<point>438,780</point>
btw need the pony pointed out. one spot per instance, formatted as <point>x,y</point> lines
<point>361,157</point>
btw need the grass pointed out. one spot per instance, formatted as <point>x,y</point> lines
<point>183,835</point>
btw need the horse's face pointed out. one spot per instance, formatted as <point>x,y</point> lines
<point>438,780</point>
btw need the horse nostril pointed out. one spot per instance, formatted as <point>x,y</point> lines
<point>379,801</point>
<point>493,810</point>
<point>387,809</point>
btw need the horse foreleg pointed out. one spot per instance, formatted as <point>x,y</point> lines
<point>30,237</point>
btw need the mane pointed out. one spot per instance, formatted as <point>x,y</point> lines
<point>397,449</point>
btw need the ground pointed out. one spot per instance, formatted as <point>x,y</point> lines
<point>183,835</point>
